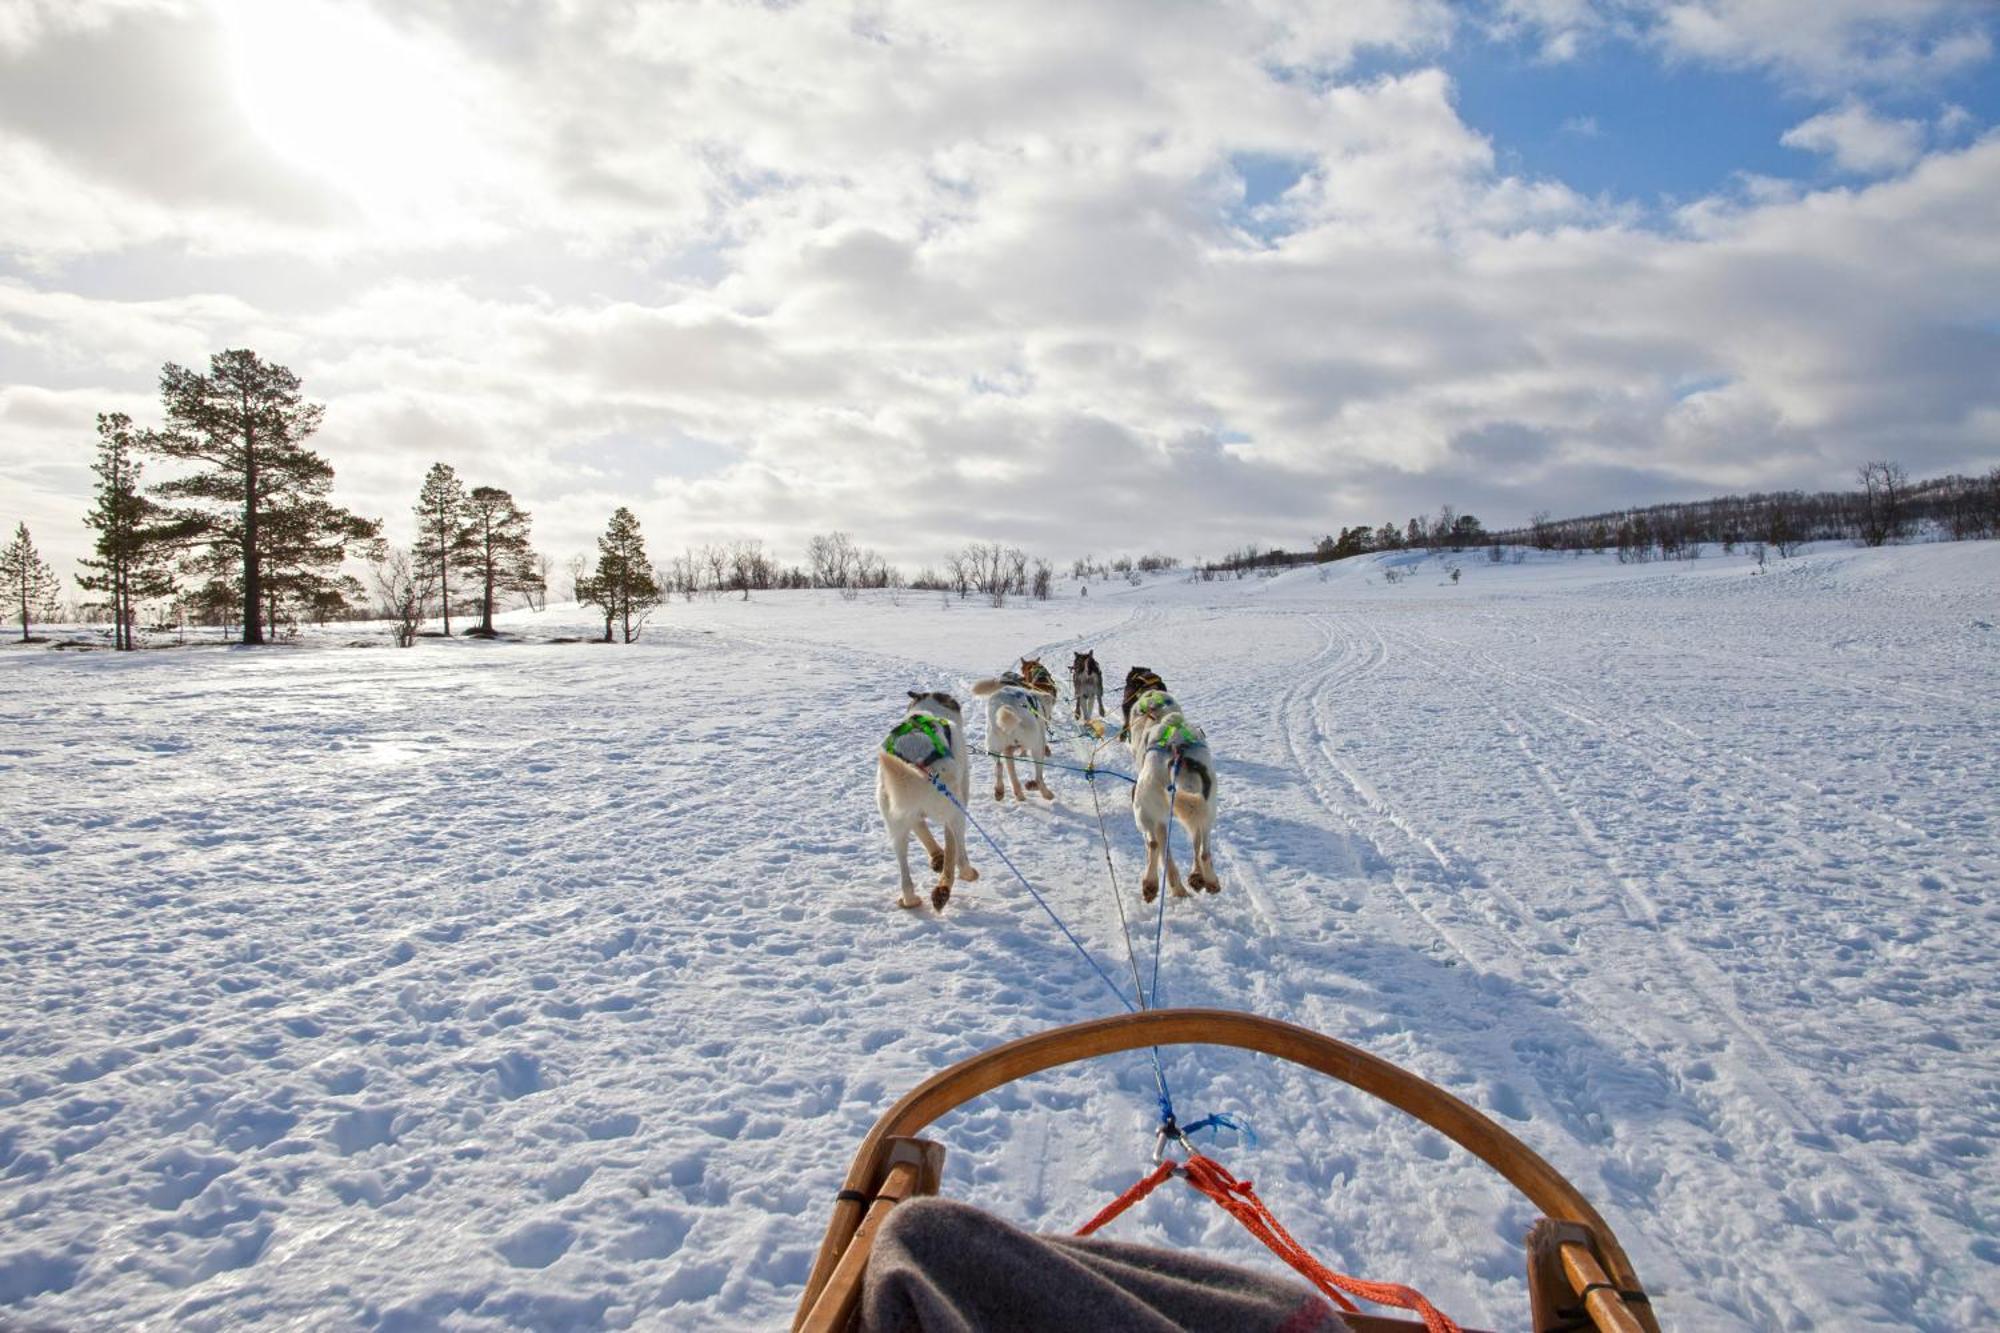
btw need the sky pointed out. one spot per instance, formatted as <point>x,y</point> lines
<point>1121,276</point>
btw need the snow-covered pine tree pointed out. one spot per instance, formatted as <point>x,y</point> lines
<point>133,537</point>
<point>444,537</point>
<point>31,587</point>
<point>260,496</point>
<point>498,556</point>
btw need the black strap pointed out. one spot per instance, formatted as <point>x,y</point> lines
<point>852,1196</point>
<point>1578,1316</point>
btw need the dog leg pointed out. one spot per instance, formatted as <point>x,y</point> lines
<point>931,845</point>
<point>941,893</point>
<point>999,778</point>
<point>1197,876</point>
<point>1014,775</point>
<point>1149,887</point>
<point>1206,860</point>
<point>1173,871</point>
<point>955,838</point>
<point>909,895</point>
<point>1041,778</point>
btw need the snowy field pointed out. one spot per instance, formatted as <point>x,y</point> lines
<point>498,985</point>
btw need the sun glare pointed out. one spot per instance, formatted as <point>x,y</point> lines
<point>349,99</point>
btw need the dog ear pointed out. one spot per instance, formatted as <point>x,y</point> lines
<point>916,694</point>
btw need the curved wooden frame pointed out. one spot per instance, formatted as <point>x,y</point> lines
<point>1587,1250</point>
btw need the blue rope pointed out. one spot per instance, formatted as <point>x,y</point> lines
<point>1102,975</point>
<point>1217,1121</point>
<point>1070,768</point>
<point>1170,1127</point>
<point>1160,922</point>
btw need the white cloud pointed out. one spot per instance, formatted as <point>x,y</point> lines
<point>1829,44</point>
<point>1822,45</point>
<point>1858,140</point>
<point>898,268</point>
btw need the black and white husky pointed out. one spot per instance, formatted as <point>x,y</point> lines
<point>1086,683</point>
<point>1017,725</point>
<point>929,742</point>
<point>1176,781</point>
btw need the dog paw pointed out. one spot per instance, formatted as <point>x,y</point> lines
<point>967,872</point>
<point>1043,788</point>
<point>937,860</point>
<point>940,896</point>
<point>907,903</point>
<point>1150,891</point>
<point>1212,886</point>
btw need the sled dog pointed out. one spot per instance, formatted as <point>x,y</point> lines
<point>1176,781</point>
<point>1086,684</point>
<point>929,742</point>
<point>1038,677</point>
<point>1137,681</point>
<point>1017,723</point>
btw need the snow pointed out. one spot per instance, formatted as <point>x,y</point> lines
<point>519,984</point>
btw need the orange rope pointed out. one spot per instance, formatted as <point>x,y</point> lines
<point>1128,1198</point>
<point>1240,1201</point>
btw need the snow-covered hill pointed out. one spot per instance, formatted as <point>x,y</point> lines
<point>523,984</point>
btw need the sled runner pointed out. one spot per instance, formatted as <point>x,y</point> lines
<point>1578,1276</point>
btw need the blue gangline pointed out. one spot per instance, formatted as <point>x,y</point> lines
<point>1102,975</point>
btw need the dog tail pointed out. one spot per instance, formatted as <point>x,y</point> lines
<point>1199,770</point>
<point>981,689</point>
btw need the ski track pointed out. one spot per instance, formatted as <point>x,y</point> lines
<point>505,985</point>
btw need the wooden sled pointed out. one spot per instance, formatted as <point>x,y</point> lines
<point>1577,1271</point>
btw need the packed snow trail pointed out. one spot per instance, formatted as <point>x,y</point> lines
<point>529,985</point>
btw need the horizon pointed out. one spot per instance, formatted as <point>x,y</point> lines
<point>1083,283</point>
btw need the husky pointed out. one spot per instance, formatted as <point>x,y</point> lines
<point>1086,684</point>
<point>1017,723</point>
<point>929,742</point>
<point>1038,677</point>
<point>1137,681</point>
<point>1176,781</point>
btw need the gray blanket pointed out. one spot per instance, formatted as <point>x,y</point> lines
<point>944,1267</point>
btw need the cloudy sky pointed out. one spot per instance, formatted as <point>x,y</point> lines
<point>1083,275</point>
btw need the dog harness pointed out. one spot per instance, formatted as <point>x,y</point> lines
<point>1153,703</point>
<point>1179,736</point>
<point>1019,691</point>
<point>935,731</point>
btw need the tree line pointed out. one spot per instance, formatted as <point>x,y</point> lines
<point>247,529</point>
<point>1884,507</point>
<point>247,535</point>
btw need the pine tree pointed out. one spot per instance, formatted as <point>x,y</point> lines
<point>133,538</point>
<point>260,500</point>
<point>498,554</point>
<point>623,586</point>
<point>31,587</point>
<point>444,537</point>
